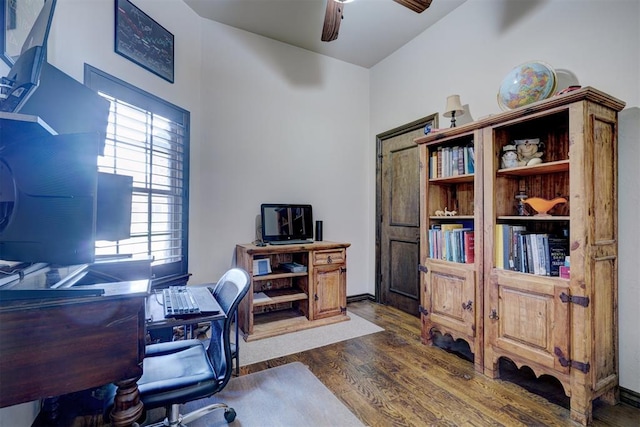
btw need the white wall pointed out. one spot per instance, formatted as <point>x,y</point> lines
<point>595,42</point>
<point>281,125</point>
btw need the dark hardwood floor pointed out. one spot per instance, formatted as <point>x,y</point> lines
<point>391,379</point>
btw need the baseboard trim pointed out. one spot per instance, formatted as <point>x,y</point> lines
<point>630,397</point>
<point>361,297</point>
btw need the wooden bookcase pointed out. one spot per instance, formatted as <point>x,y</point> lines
<point>451,303</point>
<point>562,327</point>
<point>283,301</point>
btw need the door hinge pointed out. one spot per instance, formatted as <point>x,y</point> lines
<point>580,366</point>
<point>583,301</point>
<point>422,310</point>
<point>343,309</point>
<point>422,268</point>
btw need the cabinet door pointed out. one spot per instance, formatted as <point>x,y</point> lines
<point>451,299</point>
<point>330,291</point>
<point>527,321</point>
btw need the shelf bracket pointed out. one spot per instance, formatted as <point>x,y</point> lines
<point>580,366</point>
<point>422,310</point>
<point>582,301</point>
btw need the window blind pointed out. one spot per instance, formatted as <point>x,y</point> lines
<point>151,145</point>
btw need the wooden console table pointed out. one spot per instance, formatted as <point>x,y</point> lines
<point>283,301</point>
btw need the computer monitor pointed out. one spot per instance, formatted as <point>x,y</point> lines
<point>284,221</point>
<point>24,75</point>
<point>48,189</point>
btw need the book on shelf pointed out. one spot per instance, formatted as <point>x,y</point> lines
<point>558,250</point>
<point>469,247</point>
<point>451,242</point>
<point>542,254</point>
<point>472,163</point>
<point>433,164</point>
<point>446,232</point>
<point>515,250</point>
<point>529,246</point>
<point>455,157</point>
<point>499,246</point>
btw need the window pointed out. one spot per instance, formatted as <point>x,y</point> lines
<point>148,139</point>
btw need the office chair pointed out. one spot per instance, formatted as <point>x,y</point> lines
<point>181,371</point>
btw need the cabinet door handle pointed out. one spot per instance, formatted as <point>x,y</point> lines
<point>329,260</point>
<point>493,315</point>
<point>315,297</point>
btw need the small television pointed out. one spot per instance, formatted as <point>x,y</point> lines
<point>24,76</point>
<point>285,222</point>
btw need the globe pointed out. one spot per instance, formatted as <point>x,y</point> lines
<point>529,82</point>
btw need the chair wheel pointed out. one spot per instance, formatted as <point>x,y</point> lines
<point>230,415</point>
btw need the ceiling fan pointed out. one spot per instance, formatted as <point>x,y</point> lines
<point>333,15</point>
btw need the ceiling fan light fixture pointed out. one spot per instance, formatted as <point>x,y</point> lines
<point>332,19</point>
<point>417,6</point>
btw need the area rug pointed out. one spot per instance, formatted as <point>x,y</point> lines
<point>296,342</point>
<point>287,395</point>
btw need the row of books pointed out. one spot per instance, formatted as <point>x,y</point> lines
<point>451,242</point>
<point>536,253</point>
<point>451,161</point>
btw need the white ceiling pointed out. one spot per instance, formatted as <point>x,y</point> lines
<point>370,29</point>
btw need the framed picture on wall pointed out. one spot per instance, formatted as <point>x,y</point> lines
<point>142,40</point>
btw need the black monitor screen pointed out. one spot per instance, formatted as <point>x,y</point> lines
<point>24,76</point>
<point>286,222</point>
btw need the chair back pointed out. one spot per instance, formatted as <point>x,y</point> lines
<point>229,291</point>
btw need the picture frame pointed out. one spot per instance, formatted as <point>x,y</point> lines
<point>140,39</point>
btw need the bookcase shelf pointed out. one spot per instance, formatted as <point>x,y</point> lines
<point>277,275</point>
<point>453,179</point>
<point>543,168</point>
<point>533,218</point>
<point>278,296</point>
<point>564,328</point>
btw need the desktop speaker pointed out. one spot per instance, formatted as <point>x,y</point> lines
<point>318,231</point>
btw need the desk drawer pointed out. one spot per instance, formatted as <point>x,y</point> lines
<point>333,256</point>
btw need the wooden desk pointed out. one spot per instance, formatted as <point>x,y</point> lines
<point>55,346</point>
<point>155,315</point>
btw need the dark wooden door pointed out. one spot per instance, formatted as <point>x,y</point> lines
<point>398,216</point>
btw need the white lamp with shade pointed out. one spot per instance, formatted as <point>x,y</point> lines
<point>453,107</point>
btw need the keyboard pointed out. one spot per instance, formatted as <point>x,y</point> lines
<point>291,242</point>
<point>182,300</point>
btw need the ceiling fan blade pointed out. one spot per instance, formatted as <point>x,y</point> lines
<point>332,19</point>
<point>418,6</point>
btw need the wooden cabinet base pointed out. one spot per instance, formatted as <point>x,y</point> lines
<point>271,328</point>
<point>304,286</point>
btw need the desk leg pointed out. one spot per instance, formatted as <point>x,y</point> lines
<point>127,407</point>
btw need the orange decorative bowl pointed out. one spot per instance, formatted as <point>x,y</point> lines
<point>542,206</point>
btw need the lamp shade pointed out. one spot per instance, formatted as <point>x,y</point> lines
<point>453,104</point>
